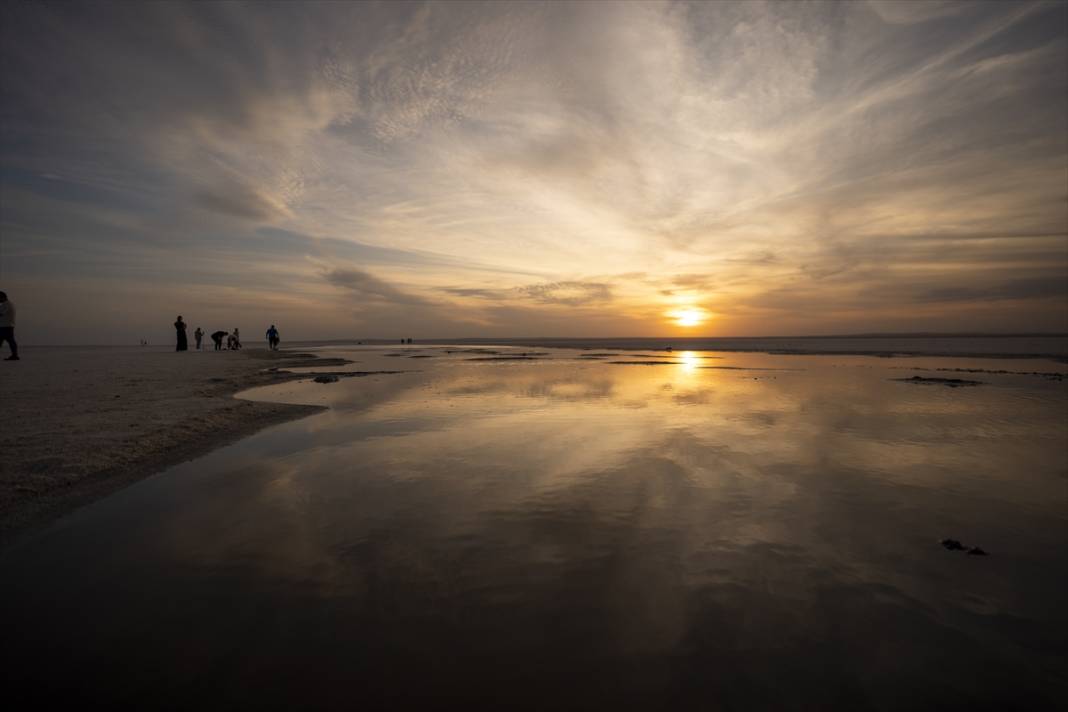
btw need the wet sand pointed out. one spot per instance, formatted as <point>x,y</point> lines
<point>82,422</point>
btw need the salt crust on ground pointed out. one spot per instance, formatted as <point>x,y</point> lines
<point>80,423</point>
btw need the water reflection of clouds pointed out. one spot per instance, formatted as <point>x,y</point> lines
<point>725,463</point>
<point>725,520</point>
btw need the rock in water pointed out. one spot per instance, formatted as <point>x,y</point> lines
<point>326,379</point>
<point>954,545</point>
<point>951,382</point>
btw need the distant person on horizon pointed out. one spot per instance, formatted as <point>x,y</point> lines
<point>198,335</point>
<point>272,338</point>
<point>237,338</point>
<point>179,327</point>
<point>7,326</point>
<point>217,337</point>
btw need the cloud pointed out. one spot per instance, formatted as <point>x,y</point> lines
<point>478,292</point>
<point>568,293</point>
<point>908,12</point>
<point>1053,287</point>
<point>687,284</point>
<point>699,282</point>
<point>758,257</point>
<point>366,288</point>
<point>240,202</point>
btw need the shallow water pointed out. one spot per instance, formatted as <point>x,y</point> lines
<point>724,531</point>
<point>1053,346</point>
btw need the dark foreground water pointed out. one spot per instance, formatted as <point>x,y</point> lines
<point>718,532</point>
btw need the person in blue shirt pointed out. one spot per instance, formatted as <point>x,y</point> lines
<point>272,338</point>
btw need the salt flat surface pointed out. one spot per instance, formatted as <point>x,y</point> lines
<point>711,531</point>
<point>81,421</point>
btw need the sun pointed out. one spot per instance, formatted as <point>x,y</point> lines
<point>688,316</point>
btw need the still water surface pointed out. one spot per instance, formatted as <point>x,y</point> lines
<point>722,531</point>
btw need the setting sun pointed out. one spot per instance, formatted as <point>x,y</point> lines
<point>690,316</point>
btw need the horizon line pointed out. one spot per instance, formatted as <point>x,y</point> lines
<point>862,335</point>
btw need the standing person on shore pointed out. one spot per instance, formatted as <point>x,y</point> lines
<point>272,338</point>
<point>179,327</point>
<point>217,337</point>
<point>237,338</point>
<point>7,326</point>
<point>198,335</point>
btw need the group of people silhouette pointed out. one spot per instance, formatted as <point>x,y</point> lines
<point>233,340</point>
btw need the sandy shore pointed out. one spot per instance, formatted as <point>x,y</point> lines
<point>80,423</point>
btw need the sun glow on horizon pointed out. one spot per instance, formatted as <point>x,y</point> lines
<point>688,316</point>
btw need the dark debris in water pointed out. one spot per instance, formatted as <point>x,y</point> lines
<point>1049,375</point>
<point>954,545</point>
<point>505,358</point>
<point>334,377</point>
<point>951,382</point>
<point>748,368</point>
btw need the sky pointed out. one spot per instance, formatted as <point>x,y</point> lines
<point>360,170</point>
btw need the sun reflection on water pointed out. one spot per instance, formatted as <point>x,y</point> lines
<point>689,361</point>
